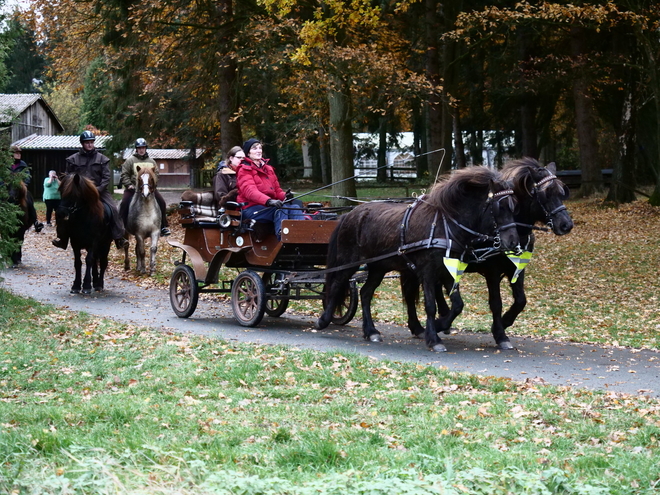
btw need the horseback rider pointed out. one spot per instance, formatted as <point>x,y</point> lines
<point>129,176</point>
<point>21,168</point>
<point>89,163</point>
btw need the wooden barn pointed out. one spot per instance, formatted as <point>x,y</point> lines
<point>174,166</point>
<point>23,115</point>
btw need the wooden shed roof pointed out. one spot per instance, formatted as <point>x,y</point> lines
<point>36,142</point>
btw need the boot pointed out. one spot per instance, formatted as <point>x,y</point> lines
<point>165,231</point>
<point>120,243</point>
<point>38,226</point>
<point>61,243</point>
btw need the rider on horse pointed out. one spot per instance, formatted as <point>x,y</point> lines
<point>89,163</point>
<point>128,176</point>
<point>20,167</point>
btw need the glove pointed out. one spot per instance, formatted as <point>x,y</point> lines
<point>288,195</point>
<point>274,202</point>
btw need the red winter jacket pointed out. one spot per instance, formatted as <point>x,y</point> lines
<point>256,185</point>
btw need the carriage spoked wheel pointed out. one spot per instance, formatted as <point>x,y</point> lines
<point>275,307</point>
<point>248,298</point>
<point>345,311</point>
<point>184,292</point>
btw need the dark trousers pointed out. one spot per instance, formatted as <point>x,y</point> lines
<point>51,206</point>
<point>126,202</point>
<point>260,213</point>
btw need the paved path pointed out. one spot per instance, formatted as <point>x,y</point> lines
<point>46,276</point>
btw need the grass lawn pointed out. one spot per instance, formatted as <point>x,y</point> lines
<point>91,406</point>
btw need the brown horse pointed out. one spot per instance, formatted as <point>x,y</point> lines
<point>83,218</point>
<point>540,196</point>
<point>470,205</point>
<point>21,197</point>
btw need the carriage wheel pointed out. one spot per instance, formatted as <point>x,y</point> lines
<point>275,307</point>
<point>345,311</point>
<point>248,298</point>
<point>184,292</point>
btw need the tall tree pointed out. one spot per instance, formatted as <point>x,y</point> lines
<point>25,65</point>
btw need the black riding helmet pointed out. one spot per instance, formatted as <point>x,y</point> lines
<point>87,136</point>
<point>140,143</point>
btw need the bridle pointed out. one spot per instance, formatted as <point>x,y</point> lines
<point>147,187</point>
<point>449,241</point>
<point>536,188</point>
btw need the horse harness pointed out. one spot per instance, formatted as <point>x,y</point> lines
<point>482,254</point>
<point>447,242</point>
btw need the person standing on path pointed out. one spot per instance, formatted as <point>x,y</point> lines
<point>52,196</point>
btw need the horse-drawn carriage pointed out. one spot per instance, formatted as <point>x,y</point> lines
<point>271,272</point>
<point>477,219</point>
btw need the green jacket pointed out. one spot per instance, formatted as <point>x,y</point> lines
<point>51,190</point>
<point>128,169</point>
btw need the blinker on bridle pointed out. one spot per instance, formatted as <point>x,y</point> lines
<point>534,193</point>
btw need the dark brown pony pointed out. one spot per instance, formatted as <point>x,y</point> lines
<point>21,197</point>
<point>471,204</point>
<point>540,196</point>
<point>82,216</point>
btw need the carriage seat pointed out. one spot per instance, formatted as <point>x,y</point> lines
<point>201,210</point>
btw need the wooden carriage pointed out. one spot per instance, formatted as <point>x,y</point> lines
<point>270,272</point>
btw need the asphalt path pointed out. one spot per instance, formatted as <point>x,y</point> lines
<point>47,273</point>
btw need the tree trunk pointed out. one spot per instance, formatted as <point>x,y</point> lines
<point>381,172</point>
<point>434,108</point>
<point>324,151</point>
<point>649,46</point>
<point>341,142</point>
<point>230,126</point>
<point>585,121</point>
<point>459,146</point>
<point>419,147</point>
<point>623,176</point>
<point>529,137</point>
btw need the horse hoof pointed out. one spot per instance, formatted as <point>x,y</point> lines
<point>74,291</point>
<point>87,291</point>
<point>376,337</point>
<point>419,336</point>
<point>439,348</point>
<point>321,324</point>
<point>505,346</point>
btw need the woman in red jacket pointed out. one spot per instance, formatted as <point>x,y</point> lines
<point>259,188</point>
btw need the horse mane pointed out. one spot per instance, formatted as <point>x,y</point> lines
<point>77,187</point>
<point>523,173</point>
<point>18,194</point>
<point>450,192</point>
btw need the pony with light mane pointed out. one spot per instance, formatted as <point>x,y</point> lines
<point>143,221</point>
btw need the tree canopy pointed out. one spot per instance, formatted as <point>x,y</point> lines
<point>568,81</point>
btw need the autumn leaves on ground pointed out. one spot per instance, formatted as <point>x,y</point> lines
<point>598,284</point>
<point>91,406</point>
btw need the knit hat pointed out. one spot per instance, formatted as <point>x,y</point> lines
<point>248,144</point>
